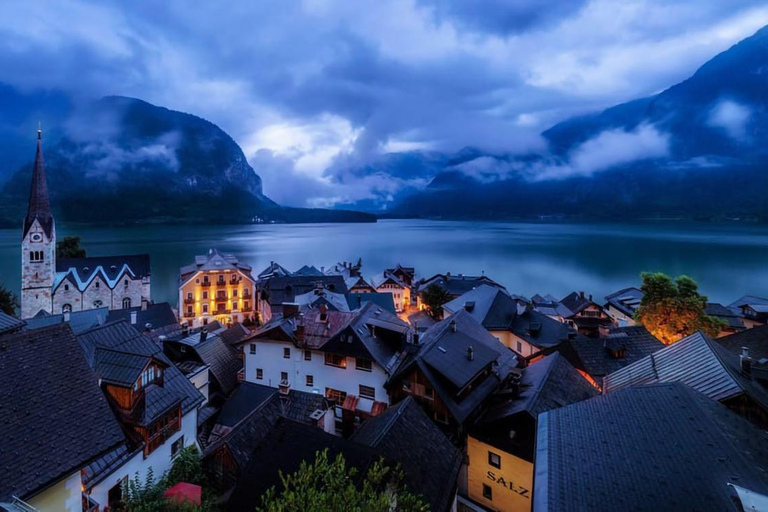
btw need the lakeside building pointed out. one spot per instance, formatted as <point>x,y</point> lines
<point>751,346</point>
<point>622,305</point>
<point>453,285</point>
<point>576,310</point>
<point>217,286</point>
<point>652,447</point>
<point>386,282</point>
<point>68,285</point>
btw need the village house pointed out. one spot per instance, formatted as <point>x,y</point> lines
<point>345,356</point>
<point>733,318</point>
<point>279,290</point>
<point>453,285</point>
<point>385,282</point>
<point>651,447</point>
<point>622,305</point>
<point>405,274</point>
<point>217,286</point>
<point>53,425</point>
<point>596,358</point>
<point>526,331</point>
<point>452,371</point>
<point>578,311</point>
<point>247,417</point>
<point>67,285</point>
<point>705,366</point>
<point>356,284</point>
<point>152,400</point>
<point>500,445</point>
<point>751,346</point>
<point>403,436</point>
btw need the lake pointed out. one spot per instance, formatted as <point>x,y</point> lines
<point>727,260</point>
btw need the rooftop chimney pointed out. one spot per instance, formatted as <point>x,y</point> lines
<point>581,294</point>
<point>746,361</point>
<point>144,304</point>
<point>453,325</point>
<point>284,389</point>
<point>66,316</point>
<point>133,317</point>
<point>203,334</point>
<point>470,353</point>
<point>323,312</point>
<point>184,329</point>
<point>300,328</point>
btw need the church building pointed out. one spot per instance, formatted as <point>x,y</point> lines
<point>67,285</point>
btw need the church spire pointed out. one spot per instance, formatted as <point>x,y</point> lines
<point>39,204</point>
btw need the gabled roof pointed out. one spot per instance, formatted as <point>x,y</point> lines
<point>405,434</point>
<point>235,334</point>
<point>696,361</point>
<point>120,368</point>
<point>539,330</point>
<point>754,339</point>
<point>457,364</point>
<point>282,289</point>
<point>111,269</point>
<point>489,305</point>
<point>157,315</point>
<point>307,270</point>
<point>79,321</point>
<point>626,300</point>
<point>731,316</point>
<point>39,208</point>
<point>658,447</point>
<point>54,419</point>
<point>458,284</point>
<point>384,300</point>
<point>223,361</point>
<point>597,356</point>
<point>545,385</point>
<point>313,298</point>
<point>9,324</point>
<point>273,270</point>
<point>215,260</point>
<point>382,278</point>
<point>748,300</point>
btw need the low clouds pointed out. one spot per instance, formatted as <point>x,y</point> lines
<point>317,91</point>
<point>732,117</point>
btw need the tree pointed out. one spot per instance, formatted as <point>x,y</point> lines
<point>8,301</point>
<point>324,485</point>
<point>433,298</point>
<point>672,310</point>
<point>69,247</point>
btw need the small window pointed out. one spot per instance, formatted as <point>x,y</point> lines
<point>335,360</point>
<point>189,311</point>
<point>519,347</point>
<point>253,348</point>
<point>66,308</point>
<point>286,353</point>
<point>494,459</point>
<point>307,355</point>
<point>205,295</point>
<point>234,305</point>
<point>126,302</point>
<point>335,395</point>
<point>487,492</point>
<point>259,374</point>
<point>177,446</point>
<point>310,381</point>
<point>98,284</point>
<point>234,293</point>
<point>205,309</point>
<point>66,287</point>
<point>364,364</point>
<point>367,392</point>
<point>283,376</point>
<point>189,296</point>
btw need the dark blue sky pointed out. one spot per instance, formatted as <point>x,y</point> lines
<point>312,89</point>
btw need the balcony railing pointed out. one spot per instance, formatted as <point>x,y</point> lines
<point>222,312</point>
<point>221,298</point>
<point>189,300</point>
<point>205,283</point>
<point>158,439</point>
<point>247,309</point>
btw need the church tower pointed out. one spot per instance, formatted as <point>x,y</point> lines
<point>38,244</point>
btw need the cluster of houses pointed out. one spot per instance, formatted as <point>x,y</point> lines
<point>496,402</point>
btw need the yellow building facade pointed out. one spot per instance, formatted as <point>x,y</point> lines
<point>498,480</point>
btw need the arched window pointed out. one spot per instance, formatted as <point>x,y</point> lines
<point>126,303</point>
<point>66,308</point>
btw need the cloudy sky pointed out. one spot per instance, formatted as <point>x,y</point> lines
<point>315,89</point>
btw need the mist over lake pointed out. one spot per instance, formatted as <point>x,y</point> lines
<point>727,260</point>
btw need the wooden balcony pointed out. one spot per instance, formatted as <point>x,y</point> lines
<point>249,309</point>
<point>241,376</point>
<point>189,300</point>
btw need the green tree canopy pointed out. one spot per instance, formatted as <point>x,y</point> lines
<point>8,300</point>
<point>671,310</point>
<point>324,485</point>
<point>69,247</point>
<point>434,297</point>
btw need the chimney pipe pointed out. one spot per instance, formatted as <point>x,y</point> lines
<point>581,294</point>
<point>203,334</point>
<point>746,361</point>
<point>470,353</point>
<point>133,317</point>
<point>66,316</point>
<point>453,325</point>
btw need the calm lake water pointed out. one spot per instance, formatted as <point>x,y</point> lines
<point>727,260</point>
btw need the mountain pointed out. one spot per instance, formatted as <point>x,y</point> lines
<point>123,160</point>
<point>697,149</point>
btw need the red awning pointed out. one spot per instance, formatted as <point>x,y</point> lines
<point>350,403</point>
<point>183,492</point>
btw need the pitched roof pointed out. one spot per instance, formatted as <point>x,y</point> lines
<point>281,289</point>
<point>235,334</point>
<point>539,330</point>
<point>748,300</point>
<point>696,361</point>
<point>405,434</point>
<point>223,361</point>
<point>460,369</point>
<point>82,271</point>
<point>755,339</point>
<point>384,300</point>
<point>120,368</point>
<point>273,270</point>
<point>626,300</point>
<point>10,323</point>
<point>575,302</point>
<point>282,449</point>
<point>458,284</point>
<point>314,298</point>
<point>597,356</point>
<point>489,305</point>
<point>54,419</point>
<point>156,315</point>
<point>215,260</point>
<point>381,278</point>
<point>79,321</point>
<point>307,270</point>
<point>39,207</point>
<point>646,448</point>
<point>545,385</point>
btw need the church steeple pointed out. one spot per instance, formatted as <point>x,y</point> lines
<point>39,203</point>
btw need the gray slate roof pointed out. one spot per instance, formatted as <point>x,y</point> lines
<point>489,305</point>
<point>281,289</point>
<point>157,315</point>
<point>731,316</point>
<point>755,339</point>
<point>539,330</point>
<point>79,321</point>
<point>384,300</point>
<point>54,419</point>
<point>658,447</point>
<point>594,357</point>
<point>119,368</point>
<point>457,285</point>
<point>696,361</point>
<point>223,361</point>
<point>10,323</point>
<point>626,300</point>
<point>405,434</point>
